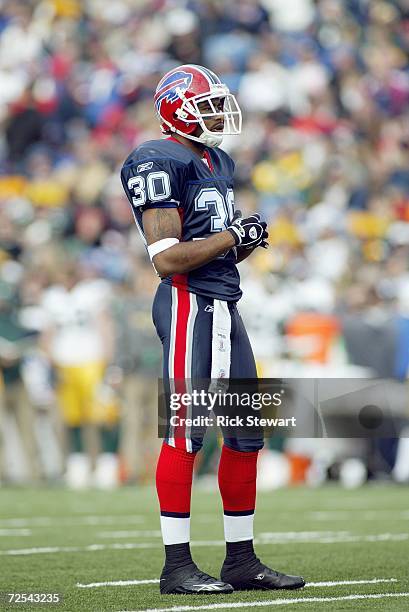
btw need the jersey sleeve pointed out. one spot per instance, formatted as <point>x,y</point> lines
<point>153,183</point>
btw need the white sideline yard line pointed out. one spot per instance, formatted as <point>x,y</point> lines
<point>366,515</point>
<point>93,585</point>
<point>272,602</point>
<point>343,537</point>
<point>138,533</point>
<point>301,535</point>
<point>265,540</point>
<point>322,537</point>
<point>14,532</point>
<point>57,521</point>
<point>49,521</point>
<point>349,582</point>
<point>90,548</point>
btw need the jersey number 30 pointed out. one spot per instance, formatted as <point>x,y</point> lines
<point>157,185</point>
<point>156,188</point>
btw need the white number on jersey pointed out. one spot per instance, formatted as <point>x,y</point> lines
<point>157,186</point>
<point>223,208</point>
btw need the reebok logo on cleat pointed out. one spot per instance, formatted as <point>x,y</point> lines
<point>259,577</point>
<point>208,587</point>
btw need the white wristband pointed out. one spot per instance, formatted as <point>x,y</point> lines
<point>161,245</point>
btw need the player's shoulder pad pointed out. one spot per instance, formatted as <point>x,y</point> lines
<point>165,151</point>
<point>154,175</point>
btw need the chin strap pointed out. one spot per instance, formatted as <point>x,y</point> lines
<point>213,140</point>
<point>210,140</point>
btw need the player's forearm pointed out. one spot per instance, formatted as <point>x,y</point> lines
<point>186,256</point>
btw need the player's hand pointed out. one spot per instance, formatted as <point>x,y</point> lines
<point>248,232</point>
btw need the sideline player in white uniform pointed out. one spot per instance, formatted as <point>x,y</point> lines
<point>78,338</point>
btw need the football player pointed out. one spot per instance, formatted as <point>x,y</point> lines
<point>181,192</point>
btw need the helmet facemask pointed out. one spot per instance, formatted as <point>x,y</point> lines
<point>191,113</point>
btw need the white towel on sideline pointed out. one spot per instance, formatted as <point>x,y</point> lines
<point>221,346</point>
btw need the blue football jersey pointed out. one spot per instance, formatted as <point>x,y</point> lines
<point>167,174</point>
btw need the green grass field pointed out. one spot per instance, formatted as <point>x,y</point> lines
<point>53,540</point>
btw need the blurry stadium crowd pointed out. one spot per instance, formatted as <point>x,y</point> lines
<point>324,156</point>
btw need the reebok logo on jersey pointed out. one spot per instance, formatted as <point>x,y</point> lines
<point>145,166</point>
<point>209,308</point>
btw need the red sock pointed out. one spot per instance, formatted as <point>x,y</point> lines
<point>174,474</point>
<point>237,484</point>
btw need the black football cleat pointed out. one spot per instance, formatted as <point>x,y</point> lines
<point>261,578</point>
<point>191,581</point>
